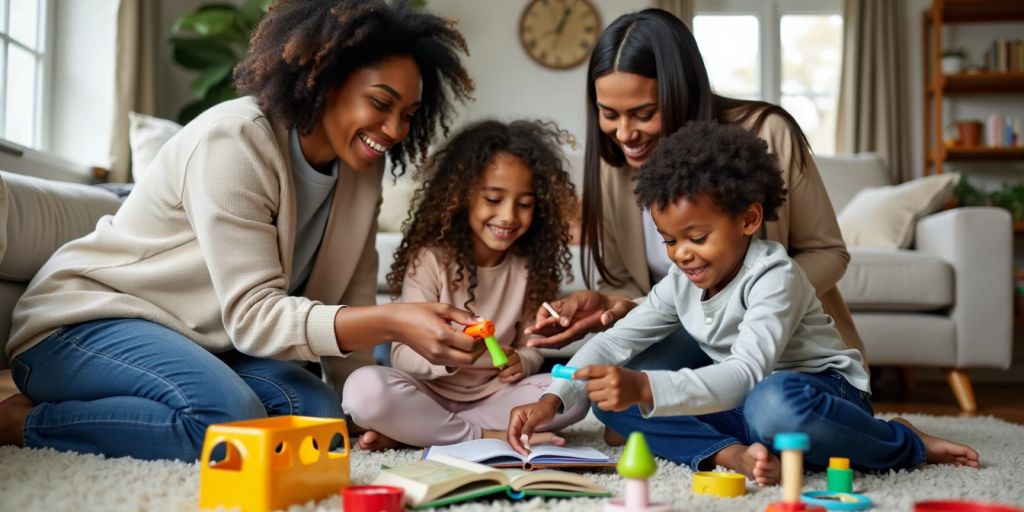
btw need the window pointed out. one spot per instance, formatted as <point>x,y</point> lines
<point>22,64</point>
<point>786,52</point>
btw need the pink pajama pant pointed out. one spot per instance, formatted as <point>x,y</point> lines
<point>397,405</point>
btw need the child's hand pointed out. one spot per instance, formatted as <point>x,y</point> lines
<point>524,420</point>
<point>614,388</point>
<point>513,371</point>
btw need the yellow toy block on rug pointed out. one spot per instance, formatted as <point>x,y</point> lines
<point>271,463</point>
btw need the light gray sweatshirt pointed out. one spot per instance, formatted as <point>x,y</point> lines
<point>767,319</point>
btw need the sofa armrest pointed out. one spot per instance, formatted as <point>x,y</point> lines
<point>978,243</point>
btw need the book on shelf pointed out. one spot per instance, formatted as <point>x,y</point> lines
<point>498,453</point>
<point>444,480</point>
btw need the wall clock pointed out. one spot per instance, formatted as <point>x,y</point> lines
<point>559,34</point>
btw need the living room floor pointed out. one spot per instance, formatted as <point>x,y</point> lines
<point>1004,401</point>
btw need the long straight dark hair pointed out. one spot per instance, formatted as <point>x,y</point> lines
<point>655,44</point>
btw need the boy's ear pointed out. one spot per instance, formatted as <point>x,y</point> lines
<point>752,219</point>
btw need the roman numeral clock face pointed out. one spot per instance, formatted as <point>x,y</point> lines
<point>559,34</point>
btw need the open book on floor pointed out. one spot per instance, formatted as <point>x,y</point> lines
<point>443,480</point>
<point>499,454</point>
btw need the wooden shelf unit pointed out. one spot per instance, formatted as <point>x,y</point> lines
<point>937,85</point>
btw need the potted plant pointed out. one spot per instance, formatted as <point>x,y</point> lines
<point>211,40</point>
<point>970,133</point>
<point>953,60</point>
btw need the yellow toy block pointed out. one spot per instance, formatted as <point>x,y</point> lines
<point>272,463</point>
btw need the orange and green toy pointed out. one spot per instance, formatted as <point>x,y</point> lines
<point>271,463</point>
<point>839,475</point>
<point>485,331</point>
<point>636,465</point>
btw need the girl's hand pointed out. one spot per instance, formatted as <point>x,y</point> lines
<point>424,327</point>
<point>581,313</point>
<point>614,388</point>
<point>524,420</point>
<point>513,372</point>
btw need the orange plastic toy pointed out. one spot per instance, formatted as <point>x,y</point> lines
<point>485,331</point>
<point>271,463</point>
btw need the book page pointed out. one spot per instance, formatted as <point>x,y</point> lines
<point>429,479</point>
<point>550,452</point>
<point>477,450</point>
<point>551,480</point>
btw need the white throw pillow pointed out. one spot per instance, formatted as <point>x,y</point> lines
<point>885,217</point>
<point>397,198</point>
<point>146,135</point>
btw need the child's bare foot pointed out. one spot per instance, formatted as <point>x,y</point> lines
<point>612,438</point>
<point>754,461</point>
<point>375,442</point>
<point>13,412</point>
<point>943,451</point>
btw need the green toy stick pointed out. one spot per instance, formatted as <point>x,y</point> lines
<point>485,331</point>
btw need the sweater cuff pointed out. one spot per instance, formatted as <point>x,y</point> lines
<point>320,331</point>
<point>663,392</point>
<point>570,393</point>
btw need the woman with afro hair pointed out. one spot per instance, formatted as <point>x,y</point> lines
<point>248,244</point>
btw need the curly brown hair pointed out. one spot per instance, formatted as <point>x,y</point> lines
<point>725,161</point>
<point>303,49</point>
<point>439,216</point>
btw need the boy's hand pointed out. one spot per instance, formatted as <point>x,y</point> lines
<point>614,388</point>
<point>524,419</point>
<point>513,371</point>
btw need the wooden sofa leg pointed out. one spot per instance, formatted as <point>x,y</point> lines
<point>960,383</point>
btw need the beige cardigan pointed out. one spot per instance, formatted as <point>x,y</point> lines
<point>204,245</point>
<point>806,226</point>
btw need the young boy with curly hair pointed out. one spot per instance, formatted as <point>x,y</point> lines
<point>779,364</point>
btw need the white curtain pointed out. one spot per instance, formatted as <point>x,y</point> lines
<point>872,113</point>
<point>137,51</point>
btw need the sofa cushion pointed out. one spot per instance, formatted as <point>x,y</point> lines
<point>846,175</point>
<point>889,280</point>
<point>146,135</point>
<point>38,216</point>
<point>884,217</point>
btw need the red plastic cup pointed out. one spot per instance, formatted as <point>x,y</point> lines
<point>372,498</point>
<point>961,506</point>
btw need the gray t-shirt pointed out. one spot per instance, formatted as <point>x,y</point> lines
<point>767,319</point>
<point>313,193</point>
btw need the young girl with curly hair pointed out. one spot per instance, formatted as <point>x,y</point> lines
<point>489,232</point>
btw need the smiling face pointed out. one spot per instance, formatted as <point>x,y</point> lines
<point>500,208</point>
<point>705,242</point>
<point>628,113</point>
<point>368,114</point>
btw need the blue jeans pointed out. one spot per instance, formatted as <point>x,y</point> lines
<point>125,387</point>
<point>835,415</point>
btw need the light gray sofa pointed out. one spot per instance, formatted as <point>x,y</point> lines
<point>37,216</point>
<point>946,302</point>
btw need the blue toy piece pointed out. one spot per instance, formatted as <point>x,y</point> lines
<point>792,441</point>
<point>837,500</point>
<point>563,372</point>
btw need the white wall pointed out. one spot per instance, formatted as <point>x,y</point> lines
<point>82,80</point>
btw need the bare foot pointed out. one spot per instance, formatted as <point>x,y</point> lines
<point>375,442</point>
<point>612,438</point>
<point>943,451</point>
<point>754,461</point>
<point>13,412</point>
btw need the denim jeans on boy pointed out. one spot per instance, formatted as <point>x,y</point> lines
<point>835,415</point>
<point>126,387</point>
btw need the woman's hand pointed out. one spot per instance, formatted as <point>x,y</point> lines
<point>614,388</point>
<point>581,313</point>
<point>424,327</point>
<point>513,371</point>
<point>524,420</point>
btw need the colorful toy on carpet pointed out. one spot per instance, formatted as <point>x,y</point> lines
<point>792,445</point>
<point>485,331</point>
<point>636,465</point>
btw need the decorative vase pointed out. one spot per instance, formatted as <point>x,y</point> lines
<point>970,133</point>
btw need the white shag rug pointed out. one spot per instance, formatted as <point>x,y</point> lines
<point>33,479</point>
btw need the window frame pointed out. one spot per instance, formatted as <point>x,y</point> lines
<point>769,15</point>
<point>43,70</point>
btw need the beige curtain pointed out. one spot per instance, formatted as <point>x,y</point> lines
<point>138,35</point>
<point>872,112</point>
<point>683,9</point>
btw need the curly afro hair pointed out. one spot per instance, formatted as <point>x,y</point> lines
<point>724,161</point>
<point>303,49</point>
<point>439,216</point>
